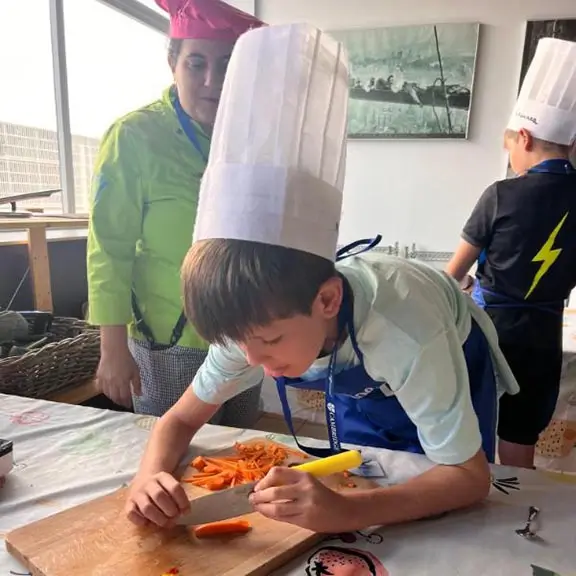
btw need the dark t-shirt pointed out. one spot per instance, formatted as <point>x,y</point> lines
<point>526,227</point>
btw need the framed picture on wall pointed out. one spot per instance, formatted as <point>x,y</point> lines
<point>535,30</point>
<point>411,81</point>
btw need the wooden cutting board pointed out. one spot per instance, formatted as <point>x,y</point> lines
<point>95,539</point>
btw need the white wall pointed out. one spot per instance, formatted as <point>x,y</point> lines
<point>423,191</point>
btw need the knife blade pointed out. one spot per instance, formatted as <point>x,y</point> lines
<point>234,502</point>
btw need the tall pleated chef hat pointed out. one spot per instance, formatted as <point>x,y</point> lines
<point>275,174</point>
<point>546,105</point>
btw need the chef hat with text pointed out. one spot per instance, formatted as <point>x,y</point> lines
<point>546,105</point>
<point>275,174</point>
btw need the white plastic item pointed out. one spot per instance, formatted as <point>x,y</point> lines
<point>6,457</point>
<point>546,105</point>
<point>276,169</point>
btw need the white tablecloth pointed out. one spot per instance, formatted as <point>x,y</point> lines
<point>66,455</point>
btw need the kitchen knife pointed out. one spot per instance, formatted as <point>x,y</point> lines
<point>234,502</point>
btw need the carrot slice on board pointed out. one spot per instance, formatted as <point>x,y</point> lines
<point>250,463</point>
<point>227,527</point>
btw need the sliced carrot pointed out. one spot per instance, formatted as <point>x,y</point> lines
<point>250,463</point>
<point>228,527</point>
<point>198,463</point>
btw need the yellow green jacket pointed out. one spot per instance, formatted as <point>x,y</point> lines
<point>142,211</point>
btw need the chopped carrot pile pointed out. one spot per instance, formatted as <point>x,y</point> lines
<point>225,528</point>
<point>251,462</point>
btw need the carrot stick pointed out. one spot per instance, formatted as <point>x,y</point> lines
<point>228,527</point>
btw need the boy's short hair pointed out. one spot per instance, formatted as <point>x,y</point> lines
<point>543,145</point>
<point>233,286</point>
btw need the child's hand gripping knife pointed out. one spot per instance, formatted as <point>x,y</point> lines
<point>295,495</point>
<point>155,495</point>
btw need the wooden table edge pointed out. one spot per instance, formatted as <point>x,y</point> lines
<point>76,395</point>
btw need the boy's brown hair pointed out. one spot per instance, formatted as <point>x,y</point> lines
<point>233,286</point>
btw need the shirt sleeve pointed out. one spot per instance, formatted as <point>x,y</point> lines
<point>436,397</point>
<point>116,208</point>
<point>224,374</point>
<point>478,229</point>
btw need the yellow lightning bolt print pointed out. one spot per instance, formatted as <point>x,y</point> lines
<point>547,255</point>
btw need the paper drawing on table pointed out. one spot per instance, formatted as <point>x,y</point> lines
<point>29,418</point>
<point>352,537</point>
<point>85,443</point>
<point>340,561</point>
<point>505,485</point>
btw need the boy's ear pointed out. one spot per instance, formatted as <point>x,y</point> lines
<point>329,297</point>
<point>526,139</point>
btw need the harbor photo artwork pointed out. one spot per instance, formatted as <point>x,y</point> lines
<point>411,81</point>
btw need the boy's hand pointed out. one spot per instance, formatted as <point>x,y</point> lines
<point>157,498</point>
<point>296,497</point>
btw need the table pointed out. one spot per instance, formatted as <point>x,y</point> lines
<point>38,250</point>
<point>67,454</point>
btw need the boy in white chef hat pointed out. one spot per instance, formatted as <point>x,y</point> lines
<point>525,230</point>
<point>407,361</point>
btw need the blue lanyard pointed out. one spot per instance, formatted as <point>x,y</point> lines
<point>345,320</point>
<point>186,124</point>
<point>555,166</point>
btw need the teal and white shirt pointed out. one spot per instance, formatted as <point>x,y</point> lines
<point>411,322</point>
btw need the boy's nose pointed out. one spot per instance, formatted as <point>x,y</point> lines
<point>255,357</point>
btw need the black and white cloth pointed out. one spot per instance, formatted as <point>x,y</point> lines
<point>165,375</point>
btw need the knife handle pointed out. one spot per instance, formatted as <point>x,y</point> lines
<point>332,464</point>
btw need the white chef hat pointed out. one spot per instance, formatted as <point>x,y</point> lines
<point>546,105</point>
<point>276,168</point>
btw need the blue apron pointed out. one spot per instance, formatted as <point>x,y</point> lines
<point>499,300</point>
<point>358,412</point>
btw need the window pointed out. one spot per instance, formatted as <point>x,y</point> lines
<point>152,4</point>
<point>28,142</point>
<point>115,65</point>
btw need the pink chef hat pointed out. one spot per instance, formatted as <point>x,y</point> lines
<point>207,20</point>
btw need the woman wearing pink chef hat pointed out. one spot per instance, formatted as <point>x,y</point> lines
<point>143,208</point>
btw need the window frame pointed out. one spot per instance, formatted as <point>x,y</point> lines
<point>130,8</point>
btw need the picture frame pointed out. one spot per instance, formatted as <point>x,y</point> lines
<point>411,82</point>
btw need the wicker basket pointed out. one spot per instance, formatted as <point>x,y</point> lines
<point>69,359</point>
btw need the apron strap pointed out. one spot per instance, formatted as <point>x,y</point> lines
<point>317,452</point>
<point>364,245</point>
<point>146,331</point>
<point>505,301</point>
<point>553,166</point>
<point>188,128</point>
<point>345,320</point>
